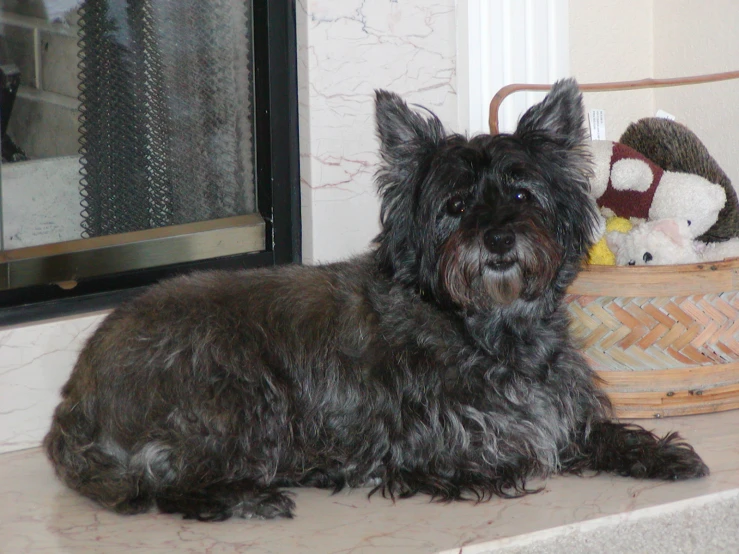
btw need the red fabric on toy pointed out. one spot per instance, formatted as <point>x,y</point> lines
<point>630,203</point>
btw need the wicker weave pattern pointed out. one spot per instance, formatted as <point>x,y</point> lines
<point>648,333</point>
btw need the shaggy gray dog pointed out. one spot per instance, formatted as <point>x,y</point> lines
<point>438,363</point>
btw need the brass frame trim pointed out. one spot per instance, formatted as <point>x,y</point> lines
<point>66,262</point>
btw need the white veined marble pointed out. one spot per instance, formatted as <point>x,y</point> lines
<point>35,361</point>
<point>346,51</point>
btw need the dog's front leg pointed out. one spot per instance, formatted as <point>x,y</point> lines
<point>632,451</point>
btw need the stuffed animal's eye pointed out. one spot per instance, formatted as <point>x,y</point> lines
<point>455,205</point>
<point>647,257</point>
<point>521,196</point>
<point>632,262</point>
<point>689,223</point>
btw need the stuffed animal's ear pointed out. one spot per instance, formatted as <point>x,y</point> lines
<point>671,229</point>
<point>615,240</point>
<point>559,114</point>
<point>402,130</point>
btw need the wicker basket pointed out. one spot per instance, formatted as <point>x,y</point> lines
<point>664,339</point>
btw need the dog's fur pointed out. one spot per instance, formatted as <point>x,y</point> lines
<point>438,363</point>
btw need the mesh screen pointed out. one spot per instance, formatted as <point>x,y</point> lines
<point>166,113</point>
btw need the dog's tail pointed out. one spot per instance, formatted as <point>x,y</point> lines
<point>87,463</point>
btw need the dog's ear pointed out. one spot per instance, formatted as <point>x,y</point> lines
<point>559,119</point>
<point>402,131</point>
<point>408,139</point>
<point>560,113</point>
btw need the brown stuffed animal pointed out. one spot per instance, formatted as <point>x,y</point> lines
<point>630,185</point>
<point>674,147</point>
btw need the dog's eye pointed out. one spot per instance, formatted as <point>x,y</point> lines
<point>521,196</point>
<point>455,205</point>
<point>647,257</point>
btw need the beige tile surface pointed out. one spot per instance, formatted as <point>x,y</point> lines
<point>38,515</point>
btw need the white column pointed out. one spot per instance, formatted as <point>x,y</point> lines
<point>500,42</point>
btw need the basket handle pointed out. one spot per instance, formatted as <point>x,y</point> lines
<point>603,87</point>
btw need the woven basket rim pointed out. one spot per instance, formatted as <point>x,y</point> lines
<point>662,280</point>
<point>731,263</point>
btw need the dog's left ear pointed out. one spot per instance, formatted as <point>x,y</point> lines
<point>559,114</point>
<point>402,131</point>
<point>407,139</point>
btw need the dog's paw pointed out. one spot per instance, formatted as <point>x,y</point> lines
<point>271,505</point>
<point>200,509</point>
<point>632,451</point>
<point>224,501</point>
<point>135,505</point>
<point>671,458</point>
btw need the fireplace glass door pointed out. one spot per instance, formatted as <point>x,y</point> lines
<point>128,137</point>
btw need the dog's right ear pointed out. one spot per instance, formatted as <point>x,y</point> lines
<point>560,114</point>
<point>401,130</point>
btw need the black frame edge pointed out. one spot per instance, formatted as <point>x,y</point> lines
<point>279,204</point>
<point>49,302</point>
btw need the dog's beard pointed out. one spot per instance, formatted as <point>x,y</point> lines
<point>472,276</point>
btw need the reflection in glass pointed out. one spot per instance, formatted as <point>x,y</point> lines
<point>132,114</point>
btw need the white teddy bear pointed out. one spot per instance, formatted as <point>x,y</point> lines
<point>666,241</point>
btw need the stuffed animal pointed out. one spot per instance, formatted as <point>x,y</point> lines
<point>632,186</point>
<point>661,242</point>
<point>600,253</point>
<point>666,241</point>
<point>674,147</point>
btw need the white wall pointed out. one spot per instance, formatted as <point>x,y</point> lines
<point>694,37</point>
<point>612,40</point>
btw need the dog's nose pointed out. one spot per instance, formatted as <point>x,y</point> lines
<point>499,242</point>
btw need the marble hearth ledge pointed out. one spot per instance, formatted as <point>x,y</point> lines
<point>38,515</point>
<point>35,361</point>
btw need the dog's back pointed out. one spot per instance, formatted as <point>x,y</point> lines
<point>170,379</point>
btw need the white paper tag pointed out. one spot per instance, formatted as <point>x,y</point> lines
<point>664,115</point>
<point>597,119</point>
